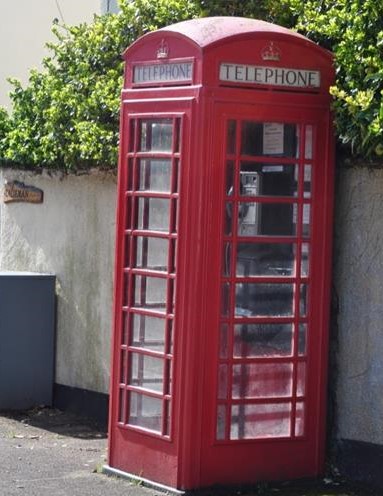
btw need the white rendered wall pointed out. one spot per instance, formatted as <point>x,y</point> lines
<point>71,235</point>
<point>358,282</point>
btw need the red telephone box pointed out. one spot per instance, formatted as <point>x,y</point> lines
<point>223,256</point>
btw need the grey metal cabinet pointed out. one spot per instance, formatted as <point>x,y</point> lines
<point>27,339</point>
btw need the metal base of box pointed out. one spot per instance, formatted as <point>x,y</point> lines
<point>106,469</point>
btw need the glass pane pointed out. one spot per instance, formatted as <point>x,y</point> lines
<point>147,372</point>
<point>152,253</point>
<point>153,214</point>
<point>301,378</point>
<point>221,422</point>
<point>265,259</point>
<point>303,300</point>
<point>226,265</point>
<point>306,220</point>
<point>229,177</point>
<point>309,142</point>
<point>268,179</point>
<point>302,340</point>
<point>252,299</point>
<point>145,411</point>
<point>300,419</point>
<point>156,135</point>
<point>122,405</point>
<point>262,380</point>
<point>307,181</point>
<point>257,340</point>
<point>154,175</point>
<point>305,260</point>
<point>225,303</point>
<point>224,341</point>
<point>268,219</point>
<point>269,138</point>
<point>150,293</point>
<point>228,228</point>
<point>231,135</point>
<point>148,332</point>
<point>222,381</point>
<point>263,420</point>
<point>123,367</point>
<point>167,418</point>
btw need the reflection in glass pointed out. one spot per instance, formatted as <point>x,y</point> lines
<point>253,299</point>
<point>150,293</point>
<point>145,411</point>
<point>305,260</point>
<point>156,135</point>
<point>224,341</point>
<point>153,214</point>
<point>262,380</point>
<point>269,139</point>
<point>226,265</point>
<point>222,381</point>
<point>152,253</point>
<point>154,175</point>
<point>303,300</point>
<point>257,340</point>
<point>268,219</point>
<point>228,228</point>
<point>229,177</point>
<point>301,378</point>
<point>147,372</point>
<point>225,299</point>
<point>300,419</point>
<point>306,220</point>
<point>302,339</point>
<point>148,332</point>
<point>221,422</point>
<point>265,259</point>
<point>268,179</point>
<point>309,142</point>
<point>261,420</point>
<point>307,181</point>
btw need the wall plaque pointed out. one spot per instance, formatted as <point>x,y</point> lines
<point>16,191</point>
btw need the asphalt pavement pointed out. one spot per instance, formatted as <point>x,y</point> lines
<point>46,452</point>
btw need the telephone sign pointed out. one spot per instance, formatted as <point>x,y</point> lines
<point>223,256</point>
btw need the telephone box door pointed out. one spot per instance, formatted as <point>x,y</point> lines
<point>267,383</point>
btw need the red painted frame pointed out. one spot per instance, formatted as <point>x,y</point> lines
<point>189,456</point>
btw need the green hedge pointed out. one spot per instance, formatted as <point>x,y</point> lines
<point>67,115</point>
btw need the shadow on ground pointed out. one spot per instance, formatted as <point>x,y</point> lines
<point>58,422</point>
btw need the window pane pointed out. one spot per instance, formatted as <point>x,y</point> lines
<point>221,422</point>
<point>150,293</point>
<point>154,175</point>
<point>301,378</point>
<point>231,135</point>
<point>153,214</point>
<point>152,253</point>
<point>265,259</point>
<point>257,421</point>
<point>223,380</point>
<point>229,177</point>
<point>254,299</point>
<point>269,138</point>
<point>257,340</point>
<point>305,260</point>
<point>268,179</point>
<point>271,219</point>
<point>302,340</point>
<point>225,299</point>
<point>156,135</point>
<point>309,142</point>
<point>148,332</point>
<point>257,380</point>
<point>145,411</point>
<point>307,181</point>
<point>147,372</point>
<point>300,419</point>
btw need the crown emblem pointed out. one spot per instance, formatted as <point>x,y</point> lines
<point>271,52</point>
<point>163,50</point>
